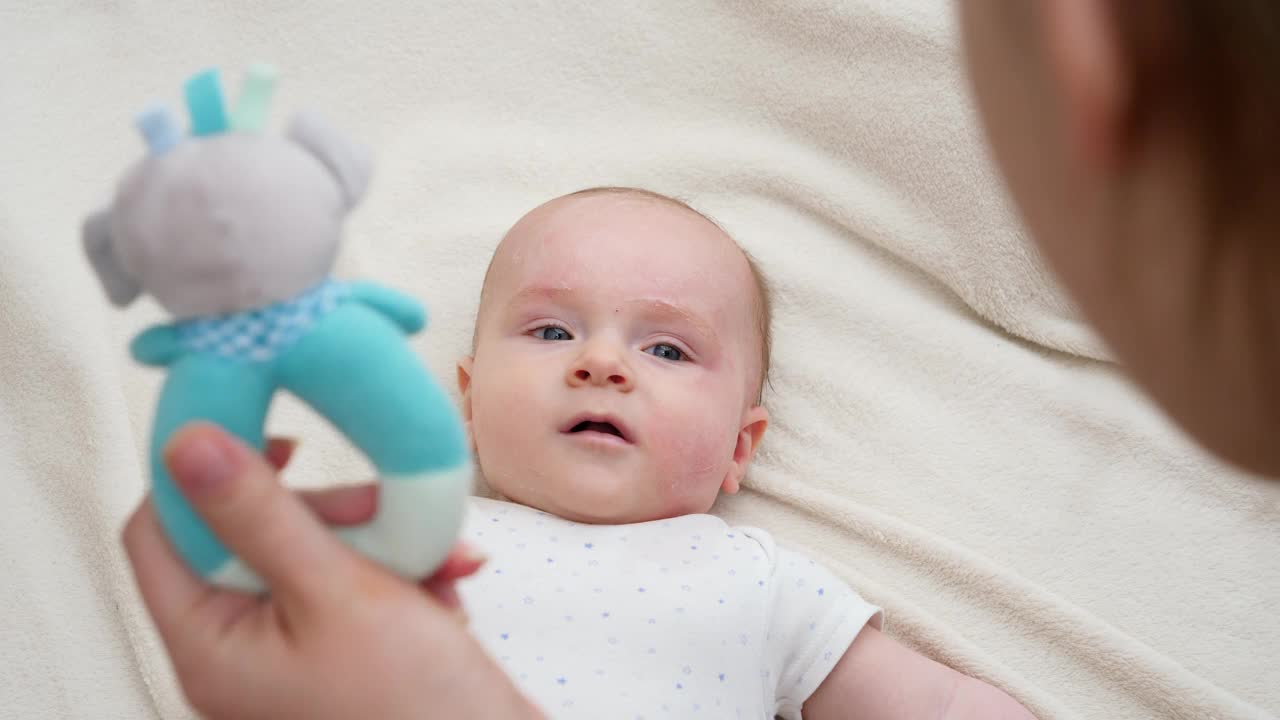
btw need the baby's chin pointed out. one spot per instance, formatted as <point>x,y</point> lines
<point>594,501</point>
<point>580,509</point>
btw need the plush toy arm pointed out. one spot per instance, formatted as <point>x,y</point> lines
<point>156,346</point>
<point>401,309</point>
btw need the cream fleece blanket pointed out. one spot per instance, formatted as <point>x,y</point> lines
<point>947,435</point>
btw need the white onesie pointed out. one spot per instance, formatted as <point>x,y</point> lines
<point>686,617</point>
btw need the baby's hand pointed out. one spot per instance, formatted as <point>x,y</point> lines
<point>879,678</point>
<point>356,504</point>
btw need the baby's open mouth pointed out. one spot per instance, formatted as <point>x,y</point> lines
<point>597,425</point>
<point>600,427</point>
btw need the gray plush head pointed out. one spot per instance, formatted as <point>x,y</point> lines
<point>228,221</point>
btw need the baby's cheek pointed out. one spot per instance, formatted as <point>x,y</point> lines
<point>696,450</point>
<point>497,415</point>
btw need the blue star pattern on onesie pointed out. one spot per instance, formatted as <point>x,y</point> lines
<point>686,617</point>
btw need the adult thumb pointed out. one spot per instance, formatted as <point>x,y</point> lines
<point>237,493</point>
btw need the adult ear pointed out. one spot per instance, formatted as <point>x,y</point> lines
<point>1088,67</point>
<point>121,287</point>
<point>754,422</point>
<point>349,163</point>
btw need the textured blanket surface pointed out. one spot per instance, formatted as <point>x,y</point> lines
<point>947,434</point>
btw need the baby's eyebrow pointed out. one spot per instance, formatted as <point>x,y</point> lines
<point>653,307</point>
<point>664,309</point>
<point>539,292</point>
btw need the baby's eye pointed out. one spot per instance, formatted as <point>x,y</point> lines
<point>665,351</point>
<point>553,333</point>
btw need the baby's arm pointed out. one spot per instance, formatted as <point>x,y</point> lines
<point>879,678</point>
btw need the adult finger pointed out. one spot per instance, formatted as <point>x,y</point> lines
<point>445,592</point>
<point>462,561</point>
<point>349,505</point>
<point>168,587</point>
<point>336,506</point>
<point>180,604</point>
<point>279,451</point>
<point>236,492</point>
<point>356,504</point>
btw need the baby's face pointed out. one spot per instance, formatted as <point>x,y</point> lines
<point>616,362</point>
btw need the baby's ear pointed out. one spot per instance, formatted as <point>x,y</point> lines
<point>464,380</point>
<point>349,163</point>
<point>754,422</point>
<point>464,388</point>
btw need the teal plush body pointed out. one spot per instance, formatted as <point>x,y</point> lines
<point>244,266</point>
<point>351,365</point>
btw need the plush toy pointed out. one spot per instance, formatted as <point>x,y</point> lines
<point>234,232</point>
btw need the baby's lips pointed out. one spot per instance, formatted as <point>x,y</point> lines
<point>623,430</point>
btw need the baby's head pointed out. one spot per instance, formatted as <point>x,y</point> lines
<point>621,346</point>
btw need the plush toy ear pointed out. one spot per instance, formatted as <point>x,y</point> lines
<point>121,288</point>
<point>350,163</point>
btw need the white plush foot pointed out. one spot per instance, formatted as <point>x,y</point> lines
<point>416,525</point>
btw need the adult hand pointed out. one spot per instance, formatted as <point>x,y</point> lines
<point>353,505</point>
<point>338,637</point>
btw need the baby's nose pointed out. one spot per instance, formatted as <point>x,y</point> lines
<point>600,368</point>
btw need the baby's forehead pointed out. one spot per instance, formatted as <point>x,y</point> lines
<point>631,238</point>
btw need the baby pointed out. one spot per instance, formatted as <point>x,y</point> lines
<point>621,345</point>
